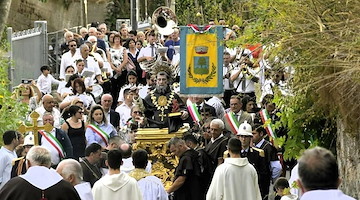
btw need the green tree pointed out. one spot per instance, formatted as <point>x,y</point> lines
<point>319,39</point>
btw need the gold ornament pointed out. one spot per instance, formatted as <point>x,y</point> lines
<point>162,100</point>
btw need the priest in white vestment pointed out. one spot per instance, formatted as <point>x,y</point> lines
<point>116,184</point>
<point>235,179</point>
<point>151,186</point>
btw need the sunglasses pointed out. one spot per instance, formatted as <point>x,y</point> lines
<point>138,112</point>
<point>73,45</point>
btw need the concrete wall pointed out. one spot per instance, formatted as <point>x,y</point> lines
<point>23,13</point>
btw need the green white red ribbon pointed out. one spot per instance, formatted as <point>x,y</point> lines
<point>104,136</point>
<point>193,111</point>
<point>265,118</point>
<point>54,142</point>
<point>231,120</point>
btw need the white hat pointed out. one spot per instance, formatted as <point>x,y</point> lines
<point>245,129</point>
<point>29,140</point>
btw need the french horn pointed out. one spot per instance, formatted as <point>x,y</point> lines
<point>164,20</point>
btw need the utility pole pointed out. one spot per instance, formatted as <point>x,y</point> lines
<point>172,5</point>
<point>134,14</point>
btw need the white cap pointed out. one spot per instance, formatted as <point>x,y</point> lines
<point>29,140</point>
<point>245,129</point>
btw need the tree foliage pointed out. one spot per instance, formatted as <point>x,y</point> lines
<point>319,39</point>
<point>11,111</point>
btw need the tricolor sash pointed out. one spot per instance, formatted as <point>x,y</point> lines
<point>54,142</point>
<point>194,113</point>
<point>232,121</point>
<point>104,136</point>
<point>265,118</point>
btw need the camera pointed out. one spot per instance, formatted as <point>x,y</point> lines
<point>26,81</point>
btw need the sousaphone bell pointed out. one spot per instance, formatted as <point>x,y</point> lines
<point>164,20</point>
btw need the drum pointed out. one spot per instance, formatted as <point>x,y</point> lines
<point>97,91</point>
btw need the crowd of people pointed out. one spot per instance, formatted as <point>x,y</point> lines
<point>105,92</point>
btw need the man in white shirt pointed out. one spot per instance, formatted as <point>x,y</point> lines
<point>48,107</point>
<point>56,141</point>
<point>7,154</point>
<point>68,58</point>
<point>124,109</point>
<point>45,80</point>
<point>90,63</point>
<point>244,78</point>
<point>148,53</point>
<point>228,67</point>
<point>319,176</point>
<point>71,171</point>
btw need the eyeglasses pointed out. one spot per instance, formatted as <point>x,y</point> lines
<point>137,112</point>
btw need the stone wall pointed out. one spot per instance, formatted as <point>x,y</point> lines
<point>23,13</point>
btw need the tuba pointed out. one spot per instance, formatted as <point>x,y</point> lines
<point>164,20</point>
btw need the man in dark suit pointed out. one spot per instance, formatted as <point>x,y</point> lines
<point>202,105</point>
<point>112,116</point>
<point>254,155</point>
<point>100,43</point>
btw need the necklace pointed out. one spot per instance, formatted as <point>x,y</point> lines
<point>162,102</point>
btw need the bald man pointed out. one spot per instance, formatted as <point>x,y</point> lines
<point>128,166</point>
<point>71,171</point>
<point>48,106</point>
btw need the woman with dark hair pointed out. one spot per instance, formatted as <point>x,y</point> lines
<point>111,38</point>
<point>249,104</point>
<point>75,128</point>
<point>98,130</point>
<point>64,90</point>
<point>131,82</point>
<point>133,53</point>
<point>67,89</point>
<point>79,91</point>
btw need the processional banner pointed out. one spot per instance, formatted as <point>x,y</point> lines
<point>201,60</point>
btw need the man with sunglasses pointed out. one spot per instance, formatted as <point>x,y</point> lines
<point>67,58</point>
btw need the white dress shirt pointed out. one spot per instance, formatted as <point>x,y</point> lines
<point>6,157</point>
<point>44,83</point>
<point>67,59</point>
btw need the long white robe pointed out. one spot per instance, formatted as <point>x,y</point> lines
<point>116,186</point>
<point>235,179</point>
<point>150,186</point>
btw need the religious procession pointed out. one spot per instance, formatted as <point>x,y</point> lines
<point>171,112</point>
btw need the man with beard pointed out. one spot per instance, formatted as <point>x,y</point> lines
<point>162,101</point>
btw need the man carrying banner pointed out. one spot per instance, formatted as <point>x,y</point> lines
<point>56,141</point>
<point>234,116</point>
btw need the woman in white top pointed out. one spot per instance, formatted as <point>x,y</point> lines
<point>118,61</point>
<point>64,88</point>
<point>79,91</point>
